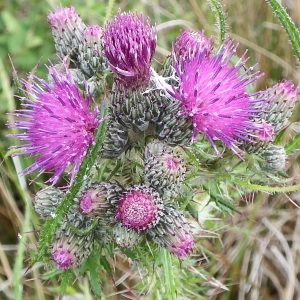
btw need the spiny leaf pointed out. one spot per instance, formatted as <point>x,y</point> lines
<point>288,25</point>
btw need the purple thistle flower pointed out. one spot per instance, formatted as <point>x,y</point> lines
<point>59,125</point>
<point>139,207</point>
<point>129,45</point>
<point>213,94</point>
<point>173,232</point>
<point>67,29</point>
<point>189,43</point>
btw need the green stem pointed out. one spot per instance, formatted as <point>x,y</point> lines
<point>288,25</point>
<point>272,189</point>
<point>109,10</point>
<point>220,16</point>
<point>17,286</point>
<point>83,231</point>
<point>51,225</point>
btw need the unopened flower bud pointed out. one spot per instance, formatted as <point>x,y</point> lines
<point>126,237</point>
<point>115,140</point>
<point>283,98</point>
<point>172,127</point>
<point>67,29</point>
<point>164,169</point>
<point>98,199</point>
<point>46,201</point>
<point>136,109</point>
<point>273,159</point>
<point>68,249</point>
<point>173,233</point>
<point>90,51</point>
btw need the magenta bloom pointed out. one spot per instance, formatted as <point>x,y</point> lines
<point>213,94</point>
<point>58,122</point>
<point>139,207</point>
<point>129,44</point>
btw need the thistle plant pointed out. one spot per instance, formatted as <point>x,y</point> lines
<point>141,144</point>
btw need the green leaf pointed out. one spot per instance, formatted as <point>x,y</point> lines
<point>92,264</point>
<point>52,274</point>
<point>169,281</point>
<point>224,204</point>
<point>293,144</point>
<point>104,262</point>
<point>11,24</point>
<point>66,278</point>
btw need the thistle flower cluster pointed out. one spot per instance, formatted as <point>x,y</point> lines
<point>201,93</point>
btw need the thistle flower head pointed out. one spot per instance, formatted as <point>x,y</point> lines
<point>98,198</point>
<point>213,94</point>
<point>282,100</point>
<point>172,127</point>
<point>266,132</point>
<point>173,232</point>
<point>68,249</point>
<point>116,139</point>
<point>274,158</point>
<point>46,201</point>
<point>58,122</point>
<point>67,28</point>
<point>129,44</point>
<point>136,109</point>
<point>190,42</point>
<point>164,169</point>
<point>139,207</point>
<point>125,236</point>
<point>90,50</point>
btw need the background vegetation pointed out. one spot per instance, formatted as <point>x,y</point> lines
<point>255,254</point>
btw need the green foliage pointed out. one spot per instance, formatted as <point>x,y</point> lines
<point>293,144</point>
<point>94,267</point>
